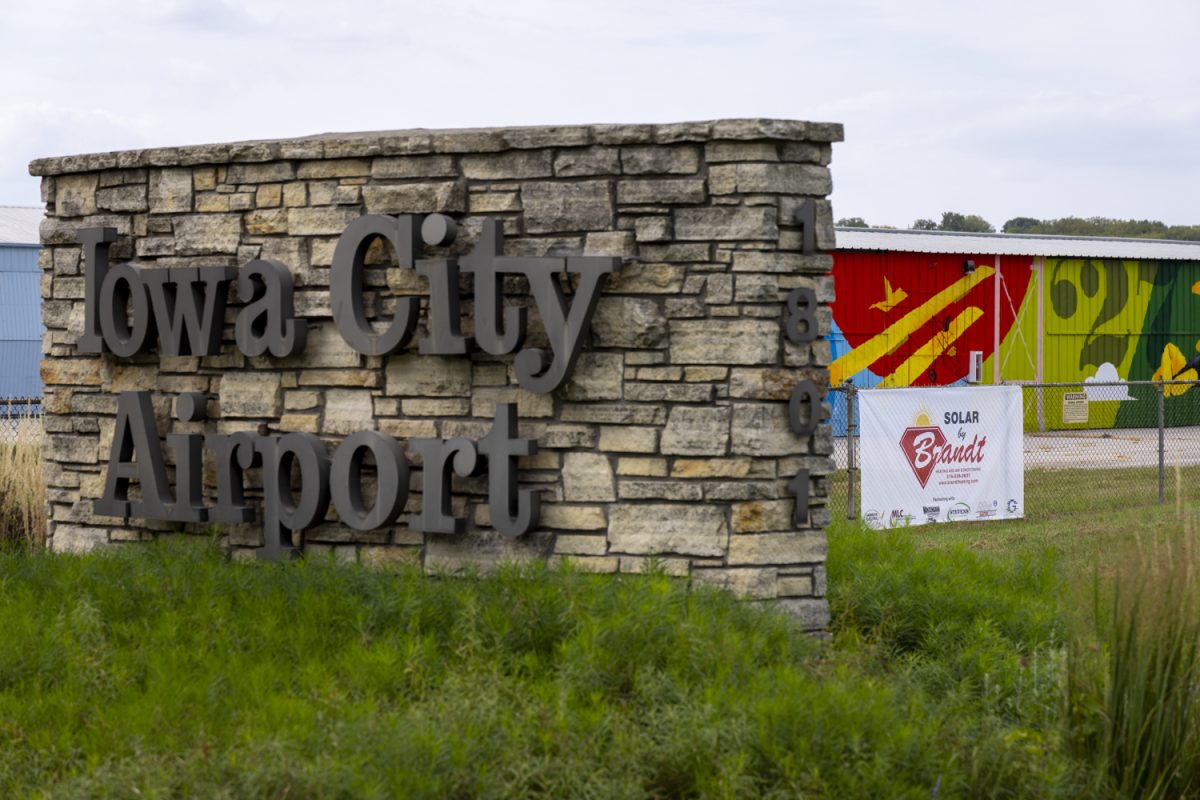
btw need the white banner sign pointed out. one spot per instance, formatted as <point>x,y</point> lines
<point>945,454</point>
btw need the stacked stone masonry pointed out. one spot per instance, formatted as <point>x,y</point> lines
<point>669,445</point>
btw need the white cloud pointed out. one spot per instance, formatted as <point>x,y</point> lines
<point>1106,373</point>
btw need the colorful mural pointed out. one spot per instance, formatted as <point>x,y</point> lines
<point>912,319</point>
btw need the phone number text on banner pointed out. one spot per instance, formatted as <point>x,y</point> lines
<point>946,454</point>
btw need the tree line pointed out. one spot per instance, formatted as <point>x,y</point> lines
<point>1065,226</point>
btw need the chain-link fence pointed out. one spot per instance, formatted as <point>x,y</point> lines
<point>20,419</point>
<point>1088,446</point>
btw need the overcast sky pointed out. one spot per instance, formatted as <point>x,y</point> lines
<point>1041,109</point>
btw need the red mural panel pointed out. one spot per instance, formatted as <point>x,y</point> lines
<point>916,316</point>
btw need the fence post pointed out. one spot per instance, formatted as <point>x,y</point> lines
<point>1161,441</point>
<point>850,463</point>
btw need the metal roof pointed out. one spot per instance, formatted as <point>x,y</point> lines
<point>19,224</point>
<point>1014,244</point>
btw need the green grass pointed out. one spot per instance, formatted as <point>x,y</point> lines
<point>1088,518</point>
<point>955,669</point>
<point>164,671</point>
<point>1053,493</point>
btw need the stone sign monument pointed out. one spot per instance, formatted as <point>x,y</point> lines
<point>452,348</point>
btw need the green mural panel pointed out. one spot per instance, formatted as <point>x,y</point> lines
<point>1094,313</point>
<point>1108,319</point>
<point>1018,349</point>
<point>1171,332</point>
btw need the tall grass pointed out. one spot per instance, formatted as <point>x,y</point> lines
<point>165,671</point>
<point>22,482</point>
<point>983,635</point>
<point>1134,670</point>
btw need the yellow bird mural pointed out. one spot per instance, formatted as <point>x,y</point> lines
<point>1174,367</point>
<point>891,298</point>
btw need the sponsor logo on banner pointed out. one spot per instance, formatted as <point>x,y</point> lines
<point>987,510</point>
<point>919,446</point>
<point>931,512</point>
<point>925,446</point>
<point>899,519</point>
<point>871,516</point>
<point>958,512</point>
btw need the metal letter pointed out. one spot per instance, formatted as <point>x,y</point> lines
<point>191,407</point>
<point>805,314</point>
<point>268,322</point>
<point>799,487</point>
<point>189,460</point>
<point>123,288</point>
<point>438,230</point>
<point>135,432</point>
<point>282,512</point>
<point>189,476</point>
<point>537,370</point>
<point>95,243</point>
<point>514,511</point>
<point>498,330</point>
<point>438,456</point>
<point>804,394</point>
<point>233,454</point>
<point>391,469</point>
<point>806,218</point>
<point>445,335</point>
<point>189,307</point>
<point>346,283</point>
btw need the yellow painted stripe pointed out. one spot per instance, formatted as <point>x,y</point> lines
<point>917,363</point>
<point>878,346</point>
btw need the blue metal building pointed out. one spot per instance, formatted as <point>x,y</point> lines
<point>20,303</point>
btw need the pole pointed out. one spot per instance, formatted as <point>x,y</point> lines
<point>850,464</point>
<point>997,278</point>
<point>1039,264</point>
<point>1161,439</point>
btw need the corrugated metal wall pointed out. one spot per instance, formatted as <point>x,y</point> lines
<point>20,322</point>
<point>1120,313</point>
<point>18,258</point>
<point>912,319</point>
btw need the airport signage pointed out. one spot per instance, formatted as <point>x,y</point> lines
<point>133,308</point>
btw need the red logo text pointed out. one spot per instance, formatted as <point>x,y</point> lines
<point>926,447</point>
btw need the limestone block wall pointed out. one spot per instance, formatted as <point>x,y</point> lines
<point>669,444</point>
